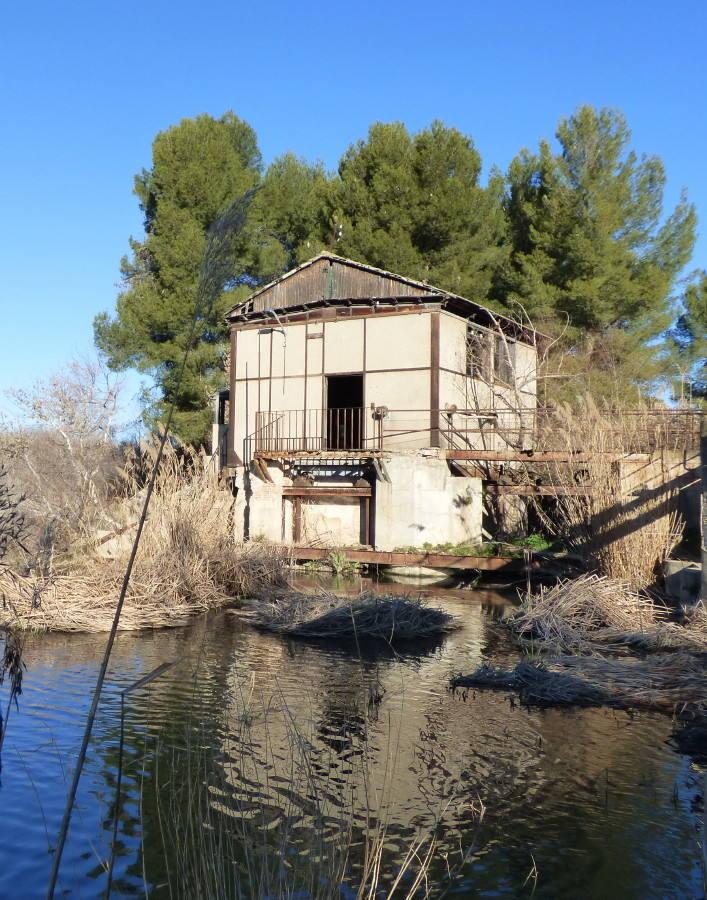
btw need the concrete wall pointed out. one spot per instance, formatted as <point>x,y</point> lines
<point>424,503</point>
<point>331,524</point>
<point>284,372</point>
<point>671,472</point>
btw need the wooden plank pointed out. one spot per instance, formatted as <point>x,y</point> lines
<point>431,560</point>
<point>315,491</point>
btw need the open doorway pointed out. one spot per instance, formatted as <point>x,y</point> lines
<point>344,412</point>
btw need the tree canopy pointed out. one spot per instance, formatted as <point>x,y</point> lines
<point>578,238</point>
<point>198,168</point>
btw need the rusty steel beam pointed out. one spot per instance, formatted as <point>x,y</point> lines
<point>431,560</point>
<point>535,456</point>
<point>536,490</point>
<point>316,491</point>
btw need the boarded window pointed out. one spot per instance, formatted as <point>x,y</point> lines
<point>478,354</point>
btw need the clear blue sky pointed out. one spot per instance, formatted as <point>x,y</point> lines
<point>84,87</point>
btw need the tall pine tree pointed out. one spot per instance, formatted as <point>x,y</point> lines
<point>198,168</point>
<point>413,204</point>
<point>591,247</point>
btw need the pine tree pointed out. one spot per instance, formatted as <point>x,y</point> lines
<point>198,168</point>
<point>590,246</point>
<point>689,335</point>
<point>413,204</point>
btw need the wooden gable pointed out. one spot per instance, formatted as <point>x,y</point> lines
<point>332,278</point>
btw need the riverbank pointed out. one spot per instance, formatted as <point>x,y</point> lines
<point>188,562</point>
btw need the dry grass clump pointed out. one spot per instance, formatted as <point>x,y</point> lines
<point>626,522</point>
<point>659,682</point>
<point>592,612</point>
<point>324,615</point>
<point>696,621</point>
<point>188,562</point>
<point>575,614</point>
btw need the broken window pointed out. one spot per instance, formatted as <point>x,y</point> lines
<point>503,360</point>
<point>478,354</point>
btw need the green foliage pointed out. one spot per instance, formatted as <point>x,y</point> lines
<point>413,204</point>
<point>340,565</point>
<point>535,542</point>
<point>199,167</point>
<point>286,219</point>
<point>590,246</point>
<point>577,237</point>
<point>689,335</point>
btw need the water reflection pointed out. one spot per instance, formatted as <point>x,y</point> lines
<point>596,799</point>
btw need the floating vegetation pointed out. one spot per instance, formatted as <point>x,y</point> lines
<point>325,615</point>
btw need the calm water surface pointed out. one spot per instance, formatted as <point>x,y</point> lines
<point>579,804</point>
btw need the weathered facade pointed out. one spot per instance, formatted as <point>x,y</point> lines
<point>349,386</point>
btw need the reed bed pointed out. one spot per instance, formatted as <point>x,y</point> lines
<point>576,614</point>
<point>664,682</point>
<point>626,524</point>
<point>324,615</point>
<point>188,562</point>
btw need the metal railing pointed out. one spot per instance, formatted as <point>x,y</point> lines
<point>380,428</point>
<point>311,430</point>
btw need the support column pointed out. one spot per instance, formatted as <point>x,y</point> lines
<point>434,380</point>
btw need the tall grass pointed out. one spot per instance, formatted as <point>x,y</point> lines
<point>626,522</point>
<point>188,560</point>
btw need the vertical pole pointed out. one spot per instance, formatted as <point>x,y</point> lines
<point>703,504</point>
<point>434,379</point>
<point>231,455</point>
<point>118,787</point>
<point>297,525</point>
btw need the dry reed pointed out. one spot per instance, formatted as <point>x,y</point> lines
<point>625,522</point>
<point>594,613</point>
<point>188,562</point>
<point>324,615</point>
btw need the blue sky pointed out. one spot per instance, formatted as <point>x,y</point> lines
<point>84,87</point>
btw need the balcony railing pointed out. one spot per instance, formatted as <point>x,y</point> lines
<point>283,432</point>
<point>312,430</point>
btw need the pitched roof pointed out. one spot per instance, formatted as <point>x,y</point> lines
<point>316,284</point>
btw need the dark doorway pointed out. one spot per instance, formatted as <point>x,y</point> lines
<point>344,412</point>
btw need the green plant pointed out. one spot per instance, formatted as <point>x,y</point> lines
<point>340,565</point>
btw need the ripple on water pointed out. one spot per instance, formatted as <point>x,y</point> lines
<point>596,798</point>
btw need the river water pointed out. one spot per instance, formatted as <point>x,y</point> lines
<point>578,804</point>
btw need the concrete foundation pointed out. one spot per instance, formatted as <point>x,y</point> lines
<point>423,503</point>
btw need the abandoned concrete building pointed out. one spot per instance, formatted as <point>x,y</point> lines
<point>355,397</point>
